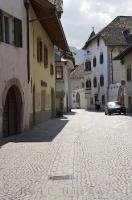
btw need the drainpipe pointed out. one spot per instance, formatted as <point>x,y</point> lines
<point>112,63</point>
<point>26,4</point>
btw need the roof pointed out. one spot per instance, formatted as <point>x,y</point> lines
<point>113,33</point>
<point>46,12</point>
<point>124,53</point>
<point>78,72</point>
<point>64,57</point>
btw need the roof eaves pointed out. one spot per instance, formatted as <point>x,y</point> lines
<point>124,53</point>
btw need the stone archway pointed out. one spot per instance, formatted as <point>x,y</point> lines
<point>12,109</point>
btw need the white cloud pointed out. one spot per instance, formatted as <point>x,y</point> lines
<point>81,15</point>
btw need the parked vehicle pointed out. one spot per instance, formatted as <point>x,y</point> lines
<point>114,107</point>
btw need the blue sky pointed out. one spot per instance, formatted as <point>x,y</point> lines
<point>81,15</point>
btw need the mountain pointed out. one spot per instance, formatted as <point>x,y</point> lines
<point>79,55</point>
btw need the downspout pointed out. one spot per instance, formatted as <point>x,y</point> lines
<point>110,69</point>
<point>112,64</point>
<point>26,4</point>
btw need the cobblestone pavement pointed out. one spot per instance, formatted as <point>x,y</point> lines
<point>83,156</point>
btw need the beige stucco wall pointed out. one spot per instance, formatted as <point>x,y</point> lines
<point>13,60</point>
<point>38,71</point>
<point>118,68</point>
<point>64,85</point>
<point>128,87</point>
<point>76,83</point>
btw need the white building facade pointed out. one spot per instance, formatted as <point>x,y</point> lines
<point>14,89</point>
<point>100,50</point>
<point>96,73</point>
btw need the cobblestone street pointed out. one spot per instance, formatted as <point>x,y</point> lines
<point>83,156</point>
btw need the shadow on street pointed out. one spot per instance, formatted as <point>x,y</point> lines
<point>45,132</point>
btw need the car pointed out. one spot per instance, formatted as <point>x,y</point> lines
<point>114,107</point>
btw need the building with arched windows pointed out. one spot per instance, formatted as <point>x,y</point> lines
<point>14,88</point>
<point>100,50</point>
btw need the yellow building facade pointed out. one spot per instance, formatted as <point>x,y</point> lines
<point>42,61</point>
<point>42,104</point>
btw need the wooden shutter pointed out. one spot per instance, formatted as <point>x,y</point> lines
<point>45,56</point>
<point>17,32</point>
<point>1,25</point>
<point>39,50</point>
<point>38,58</point>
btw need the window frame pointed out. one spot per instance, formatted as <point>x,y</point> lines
<point>46,61</point>
<point>88,85</point>
<point>61,73</point>
<point>95,85</point>
<point>101,58</point>
<point>102,79</point>
<point>10,32</point>
<point>94,61</point>
<point>88,65</point>
<point>129,74</point>
<point>39,50</point>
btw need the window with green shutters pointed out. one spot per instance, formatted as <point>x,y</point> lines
<point>10,29</point>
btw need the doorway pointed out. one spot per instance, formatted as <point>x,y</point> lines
<point>12,114</point>
<point>78,100</point>
<point>52,102</point>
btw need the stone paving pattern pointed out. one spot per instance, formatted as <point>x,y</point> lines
<point>83,156</point>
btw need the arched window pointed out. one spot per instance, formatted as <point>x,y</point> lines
<point>101,80</point>
<point>88,66</point>
<point>95,82</point>
<point>94,62</point>
<point>88,85</point>
<point>101,58</point>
